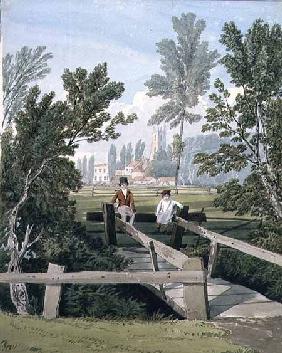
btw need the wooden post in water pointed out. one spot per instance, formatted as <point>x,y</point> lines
<point>110,224</point>
<point>214,248</point>
<point>195,295</point>
<point>52,294</point>
<point>177,231</point>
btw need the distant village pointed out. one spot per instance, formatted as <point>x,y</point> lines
<point>133,164</point>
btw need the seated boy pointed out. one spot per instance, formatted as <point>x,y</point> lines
<point>166,209</point>
<point>125,201</point>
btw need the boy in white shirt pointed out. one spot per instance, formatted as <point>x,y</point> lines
<point>166,209</point>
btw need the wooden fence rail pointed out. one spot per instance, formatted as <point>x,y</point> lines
<point>104,277</point>
<point>218,239</point>
<point>192,280</point>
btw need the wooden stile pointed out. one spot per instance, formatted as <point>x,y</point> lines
<point>110,224</point>
<point>52,294</point>
<point>174,257</point>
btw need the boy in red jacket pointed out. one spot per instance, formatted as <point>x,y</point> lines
<point>125,200</point>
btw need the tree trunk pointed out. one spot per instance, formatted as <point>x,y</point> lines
<point>179,157</point>
<point>272,196</point>
<point>18,291</point>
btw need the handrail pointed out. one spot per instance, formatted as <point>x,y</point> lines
<point>90,277</point>
<point>174,257</point>
<point>231,242</point>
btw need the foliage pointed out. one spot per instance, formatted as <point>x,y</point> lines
<point>254,273</point>
<point>253,121</point>
<point>112,160</point>
<point>122,157</point>
<point>36,194</point>
<point>28,65</point>
<point>186,66</point>
<point>100,302</point>
<point>244,198</point>
<point>139,150</point>
<point>129,154</point>
<point>161,168</point>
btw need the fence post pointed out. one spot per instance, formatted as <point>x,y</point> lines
<point>195,295</point>
<point>177,231</point>
<point>52,294</point>
<point>110,224</point>
<point>214,247</point>
<point>155,265</point>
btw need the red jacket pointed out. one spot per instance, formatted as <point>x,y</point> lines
<point>122,201</point>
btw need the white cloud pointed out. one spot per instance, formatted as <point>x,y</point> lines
<point>144,107</point>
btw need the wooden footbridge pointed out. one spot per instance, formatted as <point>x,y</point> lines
<point>214,297</point>
<point>180,281</point>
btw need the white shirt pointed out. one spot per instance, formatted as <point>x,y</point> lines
<point>165,210</point>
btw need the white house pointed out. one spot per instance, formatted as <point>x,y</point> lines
<point>101,173</point>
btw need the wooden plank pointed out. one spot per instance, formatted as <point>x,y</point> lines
<point>52,293</point>
<point>155,265</point>
<point>139,217</point>
<point>146,217</point>
<point>195,296</point>
<point>232,243</point>
<point>214,247</point>
<point>110,224</point>
<point>89,277</point>
<point>171,255</point>
<point>176,236</point>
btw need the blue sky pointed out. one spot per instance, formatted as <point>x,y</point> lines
<point>121,32</point>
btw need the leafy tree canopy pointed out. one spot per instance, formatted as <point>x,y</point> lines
<point>253,121</point>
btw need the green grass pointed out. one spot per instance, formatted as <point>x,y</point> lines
<point>146,200</point>
<point>29,334</point>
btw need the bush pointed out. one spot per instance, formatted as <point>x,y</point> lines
<point>250,271</point>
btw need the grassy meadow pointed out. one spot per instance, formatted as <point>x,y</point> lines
<point>29,334</point>
<point>146,200</point>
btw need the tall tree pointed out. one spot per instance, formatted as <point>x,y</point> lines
<point>84,169</point>
<point>19,71</point>
<point>253,121</point>
<point>129,154</point>
<point>47,134</point>
<point>90,172</point>
<point>139,150</point>
<point>122,157</point>
<point>79,165</point>
<point>169,152</point>
<point>186,69</point>
<point>112,160</point>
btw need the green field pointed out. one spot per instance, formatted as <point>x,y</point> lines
<point>146,200</point>
<point>27,334</point>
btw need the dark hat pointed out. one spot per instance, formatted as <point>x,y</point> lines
<point>123,180</point>
<point>165,192</point>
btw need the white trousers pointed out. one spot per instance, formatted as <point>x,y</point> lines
<point>126,211</point>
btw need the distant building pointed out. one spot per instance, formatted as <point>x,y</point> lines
<point>101,173</point>
<point>135,171</point>
<point>158,141</point>
<point>166,181</point>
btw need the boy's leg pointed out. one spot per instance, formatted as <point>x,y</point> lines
<point>122,212</point>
